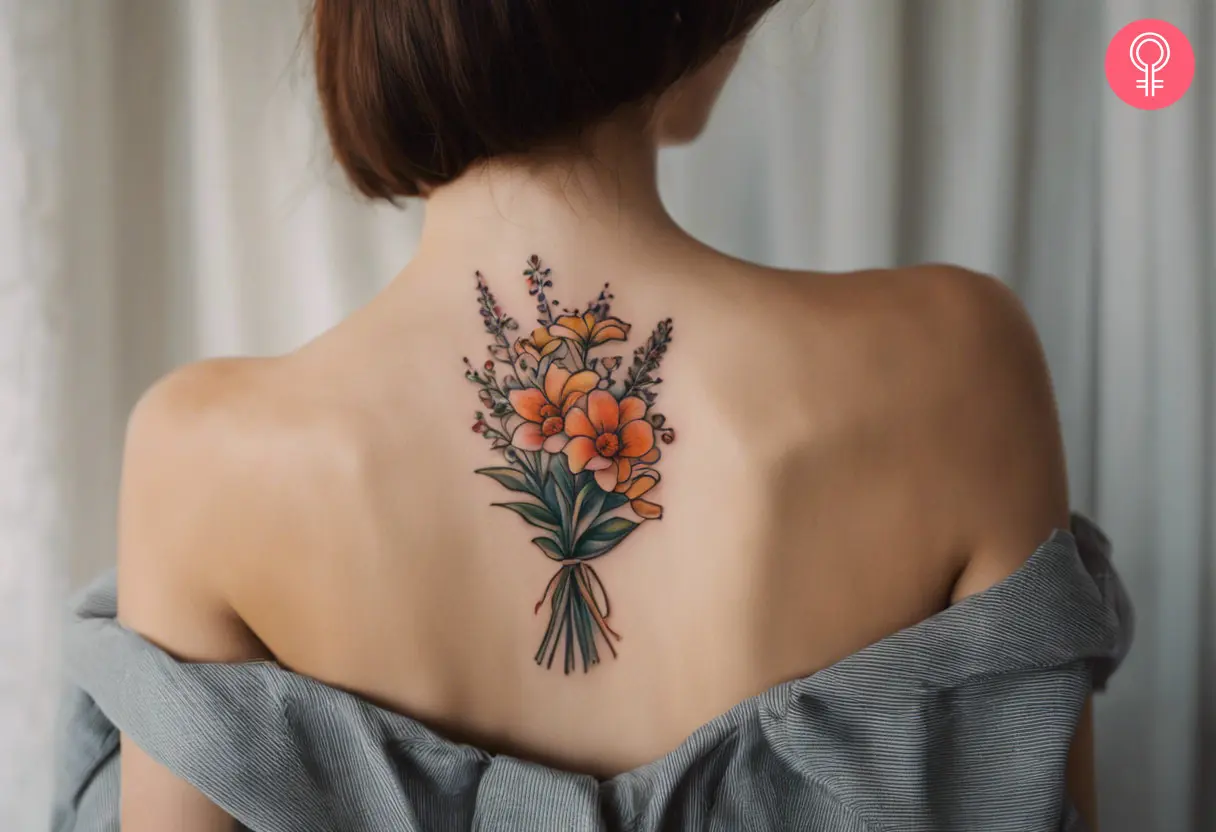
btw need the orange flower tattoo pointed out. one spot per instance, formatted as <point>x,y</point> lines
<point>580,447</point>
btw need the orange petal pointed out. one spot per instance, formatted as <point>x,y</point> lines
<point>541,337</point>
<point>555,380</point>
<point>632,408</point>
<point>614,323</point>
<point>558,331</point>
<point>551,347</point>
<point>589,320</point>
<point>576,325</point>
<point>651,456</point>
<point>571,400</point>
<point>637,438</point>
<point>528,402</point>
<point>623,467</point>
<point>604,412</point>
<point>579,451</point>
<point>528,437</point>
<point>577,424</point>
<point>647,510</point>
<point>608,333</point>
<point>598,463</point>
<point>606,478</point>
<point>583,381</point>
<point>644,481</point>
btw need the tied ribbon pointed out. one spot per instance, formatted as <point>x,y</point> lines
<point>582,574</point>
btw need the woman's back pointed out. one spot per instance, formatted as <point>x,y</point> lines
<point>831,476</point>
<point>573,485</point>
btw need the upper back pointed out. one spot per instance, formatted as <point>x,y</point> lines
<point>848,453</point>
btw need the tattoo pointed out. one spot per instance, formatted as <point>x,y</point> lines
<point>580,448</point>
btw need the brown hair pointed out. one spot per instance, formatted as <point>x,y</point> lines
<point>414,91</point>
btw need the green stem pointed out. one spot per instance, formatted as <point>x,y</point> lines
<point>544,460</point>
<point>575,616</point>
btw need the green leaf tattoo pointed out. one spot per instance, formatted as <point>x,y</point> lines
<point>536,514</point>
<point>510,478</point>
<point>549,546</point>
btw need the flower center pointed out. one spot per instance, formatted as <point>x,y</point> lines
<point>607,445</point>
<point>552,425</point>
<point>548,411</point>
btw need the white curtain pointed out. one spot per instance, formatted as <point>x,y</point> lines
<point>34,513</point>
<point>165,195</point>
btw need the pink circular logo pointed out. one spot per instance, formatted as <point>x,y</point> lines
<point>1150,64</point>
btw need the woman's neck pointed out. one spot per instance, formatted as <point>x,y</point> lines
<point>562,204</point>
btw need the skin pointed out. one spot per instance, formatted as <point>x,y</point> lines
<point>856,451</point>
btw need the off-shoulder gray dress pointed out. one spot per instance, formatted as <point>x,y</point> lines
<point>961,722</point>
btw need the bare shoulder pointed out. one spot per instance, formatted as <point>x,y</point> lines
<point>950,359</point>
<point>193,400</point>
<point>1003,427</point>
<point>928,295</point>
<point>219,460</point>
<point>232,416</point>
<point>204,420</point>
<point>179,432</point>
<point>181,479</point>
<point>960,331</point>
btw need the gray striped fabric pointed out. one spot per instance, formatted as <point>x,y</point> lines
<point>961,722</point>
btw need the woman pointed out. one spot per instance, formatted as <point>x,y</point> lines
<point>581,524</point>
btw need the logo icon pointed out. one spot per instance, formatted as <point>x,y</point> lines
<point>1150,64</point>
<point>1150,83</point>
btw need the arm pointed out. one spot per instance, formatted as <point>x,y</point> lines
<point>174,498</point>
<point>1010,460</point>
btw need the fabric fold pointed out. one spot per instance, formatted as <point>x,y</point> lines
<point>960,722</point>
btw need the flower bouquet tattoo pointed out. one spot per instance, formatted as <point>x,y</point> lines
<point>579,448</point>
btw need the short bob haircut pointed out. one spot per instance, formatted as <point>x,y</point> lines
<point>415,91</point>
